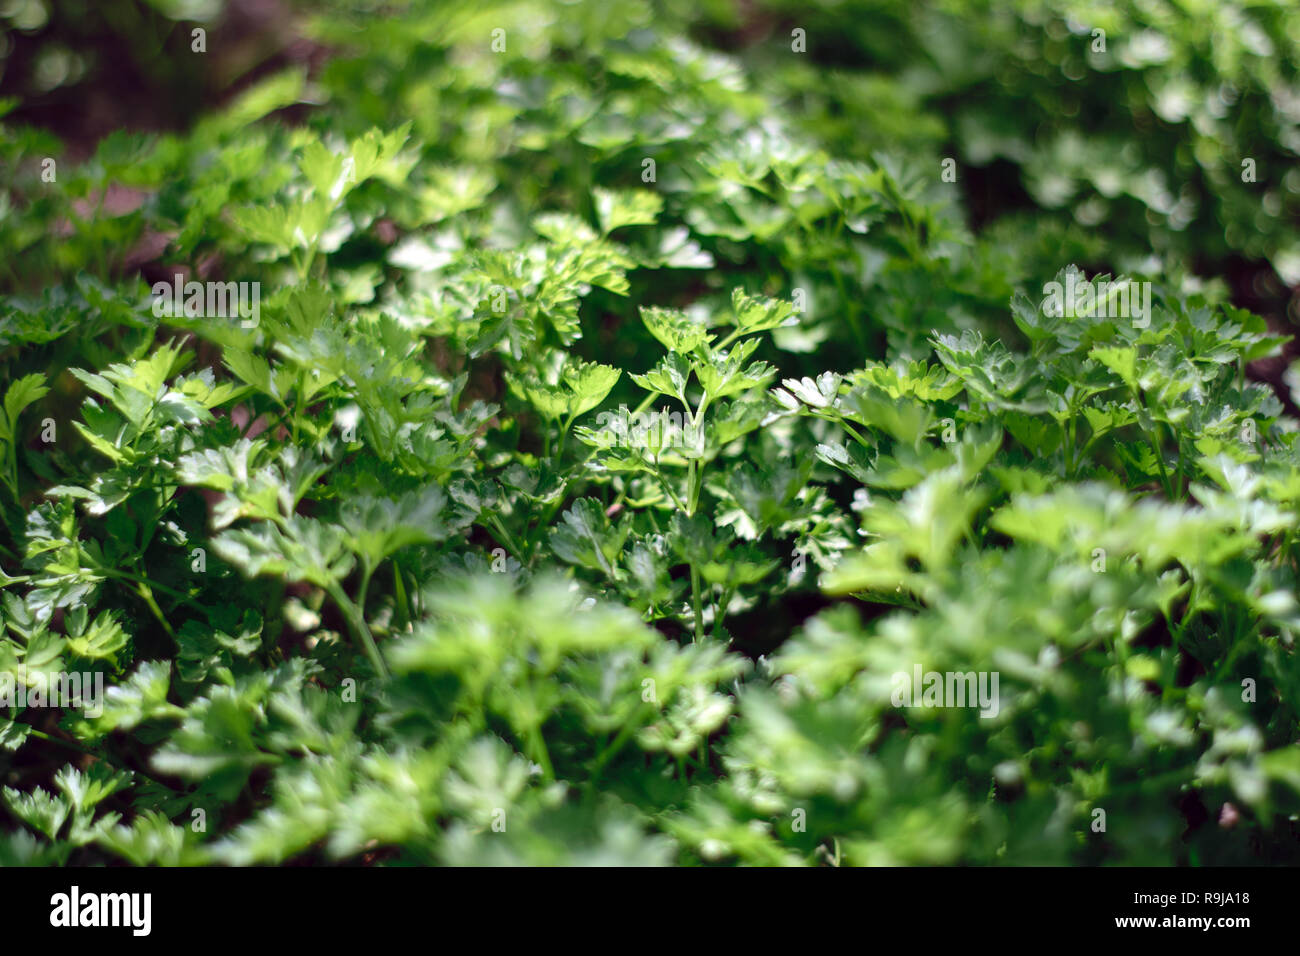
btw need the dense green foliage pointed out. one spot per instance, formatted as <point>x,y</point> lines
<point>385,575</point>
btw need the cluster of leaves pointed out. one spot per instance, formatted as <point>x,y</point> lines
<point>396,571</point>
<point>1170,128</point>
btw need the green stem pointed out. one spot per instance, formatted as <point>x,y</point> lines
<point>668,487</point>
<point>695,602</point>
<point>537,743</point>
<point>153,585</point>
<point>564,434</point>
<point>143,590</point>
<point>366,571</point>
<point>360,630</point>
<point>720,609</point>
<point>1180,472</point>
<point>851,430</point>
<point>543,755</point>
<point>849,311</point>
<point>1067,448</point>
<point>301,400</point>
<point>1160,463</point>
<point>615,745</point>
<point>11,477</point>
<point>504,538</point>
<point>72,745</point>
<point>399,598</point>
